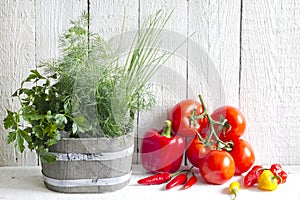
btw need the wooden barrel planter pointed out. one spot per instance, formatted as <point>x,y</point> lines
<point>90,165</point>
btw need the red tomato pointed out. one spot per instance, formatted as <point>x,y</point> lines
<point>243,156</point>
<point>236,120</point>
<point>196,151</point>
<point>180,116</point>
<point>217,167</point>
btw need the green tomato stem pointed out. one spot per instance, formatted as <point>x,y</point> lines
<point>212,132</point>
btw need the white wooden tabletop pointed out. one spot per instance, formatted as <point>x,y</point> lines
<point>27,183</point>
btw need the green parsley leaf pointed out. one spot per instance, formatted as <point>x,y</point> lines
<point>81,124</point>
<point>60,120</point>
<point>19,142</point>
<point>38,131</point>
<point>11,136</point>
<point>9,121</point>
<point>45,155</point>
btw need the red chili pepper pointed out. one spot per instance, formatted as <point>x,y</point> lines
<point>252,177</point>
<point>155,179</point>
<point>283,176</point>
<point>192,180</point>
<point>178,180</point>
<point>277,170</point>
<point>160,152</point>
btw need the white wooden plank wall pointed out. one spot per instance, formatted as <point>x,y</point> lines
<point>17,57</point>
<point>270,78</point>
<point>250,59</point>
<point>169,83</point>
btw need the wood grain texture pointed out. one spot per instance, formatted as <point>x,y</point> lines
<point>52,19</point>
<point>97,167</point>
<point>270,81</point>
<point>17,57</point>
<point>169,82</point>
<point>215,72</point>
<point>243,53</point>
<point>107,17</point>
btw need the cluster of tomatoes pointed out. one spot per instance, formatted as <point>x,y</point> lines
<point>214,143</point>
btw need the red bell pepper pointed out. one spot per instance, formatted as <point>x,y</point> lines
<point>160,152</point>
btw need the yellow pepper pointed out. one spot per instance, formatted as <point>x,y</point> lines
<point>234,187</point>
<point>267,181</point>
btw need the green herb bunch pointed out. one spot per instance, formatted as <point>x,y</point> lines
<point>88,91</point>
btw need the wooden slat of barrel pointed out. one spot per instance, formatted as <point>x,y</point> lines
<point>90,169</point>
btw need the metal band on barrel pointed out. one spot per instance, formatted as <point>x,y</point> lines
<point>94,156</point>
<point>87,182</point>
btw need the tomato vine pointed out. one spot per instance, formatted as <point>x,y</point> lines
<point>212,132</point>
